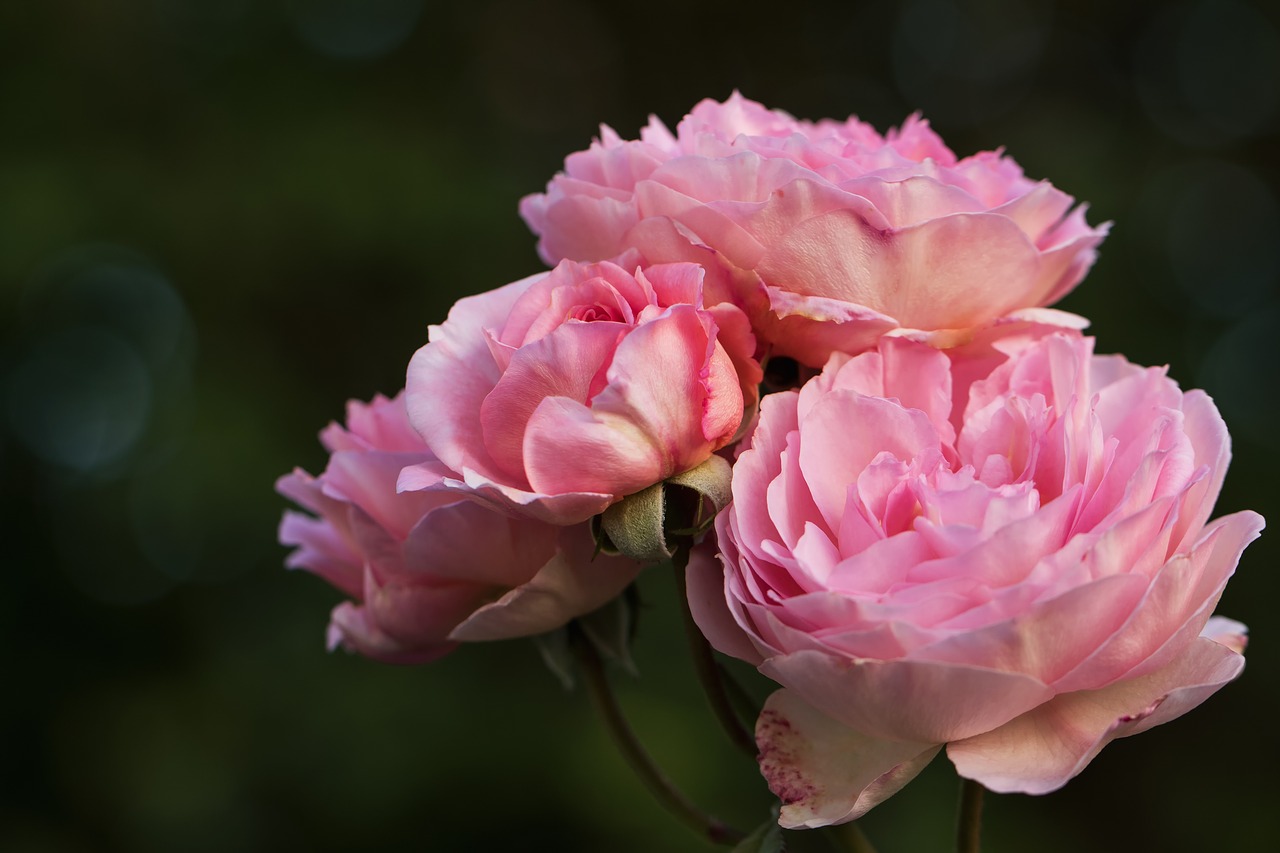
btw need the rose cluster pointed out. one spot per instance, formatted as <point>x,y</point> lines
<point>963,530</point>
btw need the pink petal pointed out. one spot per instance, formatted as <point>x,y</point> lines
<point>320,549</point>
<point>913,199</point>
<point>573,582</point>
<point>1041,750</point>
<point>705,582</point>
<point>368,479</point>
<point>564,363</point>
<point>656,382</point>
<point>1037,212</point>
<point>469,543</point>
<point>844,432</point>
<point>351,626</point>
<point>810,328</point>
<point>1177,603</point>
<point>1208,434</point>
<point>449,378</point>
<point>569,448</point>
<point>710,226</point>
<point>827,773</point>
<point>580,227</point>
<point>418,615</point>
<point>908,700</point>
<point>1050,637</point>
<point>960,270</point>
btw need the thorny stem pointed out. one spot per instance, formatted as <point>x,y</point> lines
<point>671,798</point>
<point>969,823</point>
<point>704,663</point>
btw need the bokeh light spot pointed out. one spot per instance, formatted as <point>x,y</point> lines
<point>967,61</point>
<point>355,29</point>
<point>80,398</point>
<point>1222,238</point>
<point>1209,72</point>
<point>1241,373</point>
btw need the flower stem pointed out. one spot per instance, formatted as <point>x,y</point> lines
<point>853,838</point>
<point>637,757</point>
<point>969,824</point>
<point>708,670</point>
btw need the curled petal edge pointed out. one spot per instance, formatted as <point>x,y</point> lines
<point>825,772</point>
<point>1041,750</point>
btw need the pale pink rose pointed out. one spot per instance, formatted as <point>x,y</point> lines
<point>560,394</point>
<point>827,233</point>
<point>1012,561</point>
<point>429,569</point>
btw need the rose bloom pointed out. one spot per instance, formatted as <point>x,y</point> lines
<point>560,394</point>
<point>1013,562</point>
<point>827,233</point>
<point>429,569</point>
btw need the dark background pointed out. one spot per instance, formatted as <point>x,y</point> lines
<point>219,220</point>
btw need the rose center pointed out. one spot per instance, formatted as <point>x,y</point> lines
<point>595,313</point>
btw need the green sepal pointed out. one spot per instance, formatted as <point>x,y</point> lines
<point>710,481</point>
<point>649,525</point>
<point>611,629</point>
<point>557,654</point>
<point>604,545</point>
<point>635,525</point>
<point>765,838</point>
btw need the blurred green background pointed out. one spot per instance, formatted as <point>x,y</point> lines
<point>220,219</point>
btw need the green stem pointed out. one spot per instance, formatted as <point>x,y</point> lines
<point>969,825</point>
<point>637,757</point>
<point>850,837</point>
<point>708,670</point>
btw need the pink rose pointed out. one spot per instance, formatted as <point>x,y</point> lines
<point>429,569</point>
<point>827,233</point>
<point>1015,565</point>
<point>560,394</point>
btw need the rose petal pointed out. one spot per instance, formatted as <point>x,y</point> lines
<point>573,582</point>
<point>908,700</point>
<point>827,773</point>
<point>1041,750</point>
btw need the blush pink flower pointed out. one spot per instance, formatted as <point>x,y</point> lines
<point>1014,562</point>
<point>558,395</point>
<point>429,569</point>
<point>828,234</point>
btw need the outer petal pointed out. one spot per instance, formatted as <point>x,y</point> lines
<point>825,772</point>
<point>705,583</point>
<point>320,549</point>
<point>469,543</point>
<point>368,480</point>
<point>351,626</point>
<point>908,700</point>
<point>1041,750</point>
<point>960,270</point>
<point>449,378</point>
<point>573,582</point>
<point>567,508</point>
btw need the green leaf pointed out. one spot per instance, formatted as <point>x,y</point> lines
<point>765,838</point>
<point>556,653</point>
<point>610,629</point>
